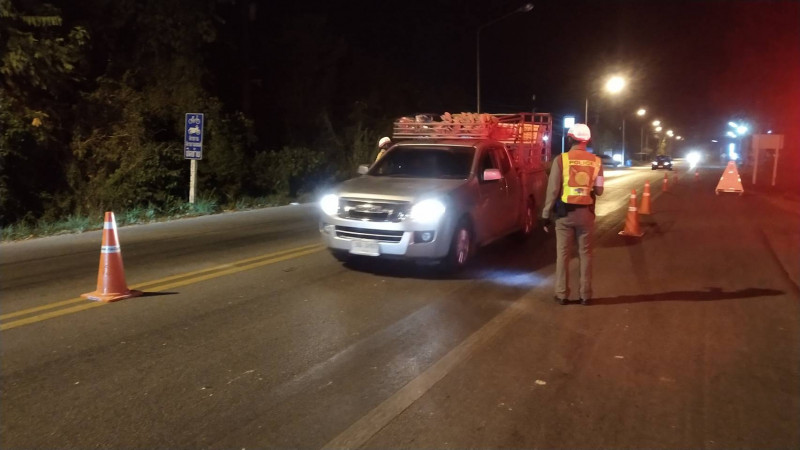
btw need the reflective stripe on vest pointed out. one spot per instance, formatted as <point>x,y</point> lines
<point>578,178</point>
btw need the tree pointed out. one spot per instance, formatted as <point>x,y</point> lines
<point>40,72</point>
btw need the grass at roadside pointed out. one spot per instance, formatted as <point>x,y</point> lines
<point>136,215</point>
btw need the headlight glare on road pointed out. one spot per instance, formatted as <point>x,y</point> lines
<point>329,204</point>
<point>427,211</point>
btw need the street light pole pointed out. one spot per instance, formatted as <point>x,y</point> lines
<point>641,141</point>
<point>522,9</point>
<point>586,112</point>
<point>623,141</point>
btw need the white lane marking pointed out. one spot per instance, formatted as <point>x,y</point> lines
<point>380,416</point>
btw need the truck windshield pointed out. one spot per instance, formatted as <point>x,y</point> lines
<point>425,162</point>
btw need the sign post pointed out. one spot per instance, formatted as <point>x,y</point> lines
<point>569,121</point>
<point>193,148</point>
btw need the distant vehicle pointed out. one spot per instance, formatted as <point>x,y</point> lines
<point>609,161</point>
<point>442,190</point>
<point>662,162</point>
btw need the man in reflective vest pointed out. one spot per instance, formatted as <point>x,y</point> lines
<point>576,178</point>
<point>383,145</point>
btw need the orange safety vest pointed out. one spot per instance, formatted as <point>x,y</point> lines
<point>579,173</point>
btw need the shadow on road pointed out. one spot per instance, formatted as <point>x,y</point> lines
<point>157,294</point>
<point>710,294</point>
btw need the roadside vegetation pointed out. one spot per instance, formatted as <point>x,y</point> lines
<point>92,106</point>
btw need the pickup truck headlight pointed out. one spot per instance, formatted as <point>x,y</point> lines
<point>329,204</point>
<point>427,211</point>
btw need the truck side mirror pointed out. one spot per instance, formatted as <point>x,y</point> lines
<point>492,175</point>
<point>363,169</point>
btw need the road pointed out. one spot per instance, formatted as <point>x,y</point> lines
<point>250,335</point>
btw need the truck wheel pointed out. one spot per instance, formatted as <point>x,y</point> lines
<point>341,255</point>
<point>461,248</point>
<point>529,222</point>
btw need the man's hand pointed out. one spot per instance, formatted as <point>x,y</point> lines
<point>547,224</point>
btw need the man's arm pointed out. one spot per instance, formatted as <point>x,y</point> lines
<point>553,187</point>
<point>598,182</point>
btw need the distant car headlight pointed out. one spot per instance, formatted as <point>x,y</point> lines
<point>329,204</point>
<point>655,163</point>
<point>427,211</point>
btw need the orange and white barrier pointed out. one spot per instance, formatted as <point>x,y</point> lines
<point>111,285</point>
<point>730,181</point>
<point>632,219</point>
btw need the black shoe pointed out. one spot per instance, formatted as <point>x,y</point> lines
<point>585,301</point>
<point>560,301</point>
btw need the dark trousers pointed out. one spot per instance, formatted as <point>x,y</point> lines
<point>576,226</point>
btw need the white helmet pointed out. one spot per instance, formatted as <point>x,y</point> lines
<point>384,142</point>
<point>580,132</point>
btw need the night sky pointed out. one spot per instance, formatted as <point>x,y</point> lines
<point>695,65</point>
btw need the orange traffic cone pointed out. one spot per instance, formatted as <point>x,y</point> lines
<point>665,185</point>
<point>696,176</point>
<point>632,220</point>
<point>111,284</point>
<point>645,207</point>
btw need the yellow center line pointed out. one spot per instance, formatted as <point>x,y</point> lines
<point>162,284</point>
<point>25,312</point>
<point>50,315</point>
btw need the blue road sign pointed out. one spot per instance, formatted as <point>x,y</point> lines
<point>193,136</point>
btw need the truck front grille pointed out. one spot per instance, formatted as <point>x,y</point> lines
<point>363,233</point>
<point>372,211</point>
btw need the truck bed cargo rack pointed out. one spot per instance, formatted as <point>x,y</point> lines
<point>526,135</point>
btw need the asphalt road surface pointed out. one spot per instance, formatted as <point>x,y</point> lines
<point>251,335</point>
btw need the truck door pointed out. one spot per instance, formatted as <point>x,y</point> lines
<point>489,213</point>
<point>511,191</point>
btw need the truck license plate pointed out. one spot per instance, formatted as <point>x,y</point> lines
<point>362,247</point>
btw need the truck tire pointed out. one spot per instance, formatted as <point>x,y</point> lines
<point>529,223</point>
<point>341,255</point>
<point>462,248</point>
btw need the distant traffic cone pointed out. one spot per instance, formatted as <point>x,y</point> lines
<point>645,206</point>
<point>665,184</point>
<point>111,284</point>
<point>632,220</point>
<point>696,176</point>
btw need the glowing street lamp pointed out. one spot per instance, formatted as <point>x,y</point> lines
<point>641,113</point>
<point>656,123</point>
<point>658,129</point>
<point>615,84</point>
<point>730,134</point>
<point>670,133</point>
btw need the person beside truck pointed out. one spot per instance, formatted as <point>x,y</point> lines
<point>383,145</point>
<point>576,179</point>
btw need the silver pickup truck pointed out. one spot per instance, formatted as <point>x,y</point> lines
<point>432,200</point>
